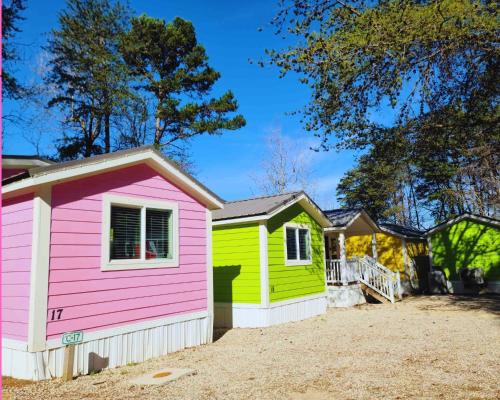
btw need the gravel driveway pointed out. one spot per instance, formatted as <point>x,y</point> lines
<point>424,347</point>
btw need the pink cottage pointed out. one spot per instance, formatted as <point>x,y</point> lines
<point>115,247</point>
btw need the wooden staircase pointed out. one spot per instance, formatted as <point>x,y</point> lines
<point>373,294</point>
<point>378,281</point>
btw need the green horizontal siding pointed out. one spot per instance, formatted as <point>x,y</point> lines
<point>236,260</point>
<point>288,282</point>
<point>467,244</point>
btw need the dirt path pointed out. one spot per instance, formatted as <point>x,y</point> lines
<point>427,347</point>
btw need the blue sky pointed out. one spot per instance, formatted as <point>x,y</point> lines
<point>229,30</point>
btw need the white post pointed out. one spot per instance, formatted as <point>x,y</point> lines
<point>374,246</point>
<point>343,258</point>
<point>400,292</point>
<point>406,264</point>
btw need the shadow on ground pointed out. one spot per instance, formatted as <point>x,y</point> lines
<point>487,303</point>
<point>219,332</point>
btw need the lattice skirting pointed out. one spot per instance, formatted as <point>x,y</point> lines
<point>110,351</point>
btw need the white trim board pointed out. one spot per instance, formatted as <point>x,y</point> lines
<point>264,266</point>
<point>124,329</point>
<point>275,303</point>
<point>210,275</point>
<point>148,156</point>
<point>14,344</point>
<point>39,274</point>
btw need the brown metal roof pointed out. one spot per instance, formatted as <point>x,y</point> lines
<point>254,207</point>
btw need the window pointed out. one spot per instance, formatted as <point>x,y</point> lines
<point>139,233</point>
<point>298,244</point>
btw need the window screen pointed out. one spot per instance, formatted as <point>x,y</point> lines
<point>291,244</point>
<point>158,234</point>
<point>125,235</point>
<point>304,244</point>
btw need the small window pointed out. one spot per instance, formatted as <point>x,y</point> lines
<point>298,245</point>
<point>291,244</point>
<point>158,232</point>
<point>125,235</point>
<point>304,246</point>
<point>139,233</point>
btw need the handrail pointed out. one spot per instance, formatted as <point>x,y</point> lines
<point>368,271</point>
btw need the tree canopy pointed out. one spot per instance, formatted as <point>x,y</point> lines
<point>123,82</point>
<point>431,65</point>
<point>170,64</point>
<point>11,15</point>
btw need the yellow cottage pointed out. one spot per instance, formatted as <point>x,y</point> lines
<point>354,237</point>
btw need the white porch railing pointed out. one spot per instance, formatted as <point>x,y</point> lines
<point>368,271</point>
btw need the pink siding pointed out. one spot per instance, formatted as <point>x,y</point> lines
<point>17,225</point>
<point>6,172</point>
<point>95,300</point>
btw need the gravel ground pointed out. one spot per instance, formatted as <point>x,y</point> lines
<point>424,347</point>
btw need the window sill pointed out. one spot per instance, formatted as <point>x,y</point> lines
<point>124,265</point>
<point>298,263</point>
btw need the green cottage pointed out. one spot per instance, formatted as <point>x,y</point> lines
<point>467,241</point>
<point>268,261</point>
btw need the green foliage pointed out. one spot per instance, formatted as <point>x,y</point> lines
<point>87,74</point>
<point>11,15</point>
<point>436,64</point>
<point>172,66</point>
<point>382,181</point>
<point>419,56</point>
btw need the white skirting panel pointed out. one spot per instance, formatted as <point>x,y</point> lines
<point>110,351</point>
<point>228,315</point>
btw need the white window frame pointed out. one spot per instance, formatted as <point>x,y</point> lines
<point>141,263</point>
<point>298,261</point>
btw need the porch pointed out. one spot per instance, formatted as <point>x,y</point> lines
<point>360,273</point>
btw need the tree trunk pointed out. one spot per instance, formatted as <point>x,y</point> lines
<point>107,135</point>
<point>157,131</point>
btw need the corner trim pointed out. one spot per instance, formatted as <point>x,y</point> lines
<point>210,276</point>
<point>264,265</point>
<point>39,276</point>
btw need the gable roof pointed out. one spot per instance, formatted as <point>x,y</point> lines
<point>473,217</point>
<point>404,231</point>
<point>93,165</point>
<point>343,218</point>
<point>263,208</point>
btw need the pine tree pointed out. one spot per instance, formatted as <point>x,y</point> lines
<point>171,67</point>
<point>88,73</point>
<point>11,15</point>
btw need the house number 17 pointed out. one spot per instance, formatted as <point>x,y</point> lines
<point>56,314</point>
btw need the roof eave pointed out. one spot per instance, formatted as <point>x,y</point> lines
<point>43,176</point>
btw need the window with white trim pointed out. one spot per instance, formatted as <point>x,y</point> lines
<point>297,244</point>
<point>139,233</point>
